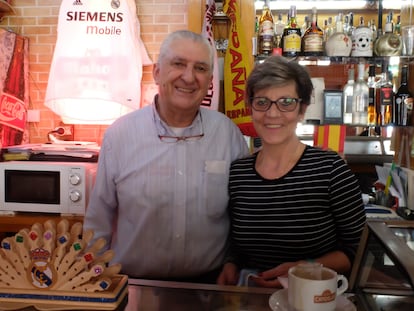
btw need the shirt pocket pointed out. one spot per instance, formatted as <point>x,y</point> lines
<point>216,178</point>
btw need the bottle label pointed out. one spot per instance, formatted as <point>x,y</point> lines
<point>403,109</point>
<point>266,44</point>
<point>292,42</point>
<point>313,43</point>
<point>266,28</point>
<point>386,99</point>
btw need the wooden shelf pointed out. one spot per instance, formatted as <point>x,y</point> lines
<point>14,223</point>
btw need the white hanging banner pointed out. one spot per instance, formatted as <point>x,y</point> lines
<point>211,100</point>
<point>96,71</point>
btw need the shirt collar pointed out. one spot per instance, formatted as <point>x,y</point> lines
<point>164,129</point>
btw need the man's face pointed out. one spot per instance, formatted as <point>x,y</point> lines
<point>184,75</point>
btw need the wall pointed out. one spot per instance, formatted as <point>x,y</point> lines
<point>37,20</point>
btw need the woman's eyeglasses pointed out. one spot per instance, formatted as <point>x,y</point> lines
<point>283,104</point>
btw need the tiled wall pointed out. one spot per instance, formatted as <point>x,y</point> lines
<point>37,20</point>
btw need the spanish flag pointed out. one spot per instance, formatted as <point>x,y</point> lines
<point>237,67</point>
<point>330,137</point>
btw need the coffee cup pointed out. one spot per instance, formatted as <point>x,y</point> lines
<point>313,287</point>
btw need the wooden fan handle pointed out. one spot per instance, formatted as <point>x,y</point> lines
<point>83,277</point>
<point>101,284</point>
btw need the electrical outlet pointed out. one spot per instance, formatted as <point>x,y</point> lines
<point>65,131</point>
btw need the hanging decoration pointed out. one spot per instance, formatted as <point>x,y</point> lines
<point>237,67</point>
<point>211,100</point>
<point>96,71</point>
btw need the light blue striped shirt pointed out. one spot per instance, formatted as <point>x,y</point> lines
<point>166,202</point>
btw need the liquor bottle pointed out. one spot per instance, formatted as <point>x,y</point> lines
<point>279,25</point>
<point>306,24</point>
<point>277,43</point>
<point>388,44</point>
<point>255,37</point>
<point>373,29</point>
<point>348,92</point>
<point>351,27</point>
<point>329,29</point>
<point>384,97</point>
<point>362,40</point>
<point>266,31</point>
<point>360,98</point>
<point>346,24</point>
<point>403,101</point>
<point>312,40</point>
<point>397,26</point>
<point>291,39</point>
<point>371,82</point>
<point>339,43</point>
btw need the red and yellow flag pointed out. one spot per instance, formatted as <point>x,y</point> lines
<point>330,137</point>
<point>237,67</point>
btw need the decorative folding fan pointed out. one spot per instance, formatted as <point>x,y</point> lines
<point>56,257</point>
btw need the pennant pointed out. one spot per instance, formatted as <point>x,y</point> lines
<point>330,137</point>
<point>237,67</point>
<point>211,100</point>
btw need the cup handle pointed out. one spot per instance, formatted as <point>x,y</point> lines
<point>344,285</point>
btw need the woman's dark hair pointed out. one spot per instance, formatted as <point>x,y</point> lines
<point>278,71</point>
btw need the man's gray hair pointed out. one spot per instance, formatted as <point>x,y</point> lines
<point>185,34</point>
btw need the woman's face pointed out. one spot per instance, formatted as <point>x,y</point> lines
<point>274,126</point>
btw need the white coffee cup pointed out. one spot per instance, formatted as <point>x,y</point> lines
<point>313,287</point>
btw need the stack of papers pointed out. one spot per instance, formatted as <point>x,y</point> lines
<point>68,151</point>
<point>394,181</point>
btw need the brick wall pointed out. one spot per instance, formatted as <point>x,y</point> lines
<point>37,20</point>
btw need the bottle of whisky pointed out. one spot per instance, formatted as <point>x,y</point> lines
<point>384,97</point>
<point>348,92</point>
<point>312,40</point>
<point>371,82</point>
<point>291,39</point>
<point>360,98</point>
<point>389,43</point>
<point>266,31</point>
<point>403,100</point>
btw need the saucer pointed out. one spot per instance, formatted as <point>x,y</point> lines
<point>279,302</point>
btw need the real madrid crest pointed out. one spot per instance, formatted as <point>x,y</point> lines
<point>41,272</point>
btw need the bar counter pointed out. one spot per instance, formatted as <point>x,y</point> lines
<point>151,295</point>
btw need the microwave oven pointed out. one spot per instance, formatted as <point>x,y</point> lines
<point>44,186</point>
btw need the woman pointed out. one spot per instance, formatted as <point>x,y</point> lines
<point>289,202</point>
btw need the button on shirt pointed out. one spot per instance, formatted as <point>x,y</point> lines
<point>168,200</point>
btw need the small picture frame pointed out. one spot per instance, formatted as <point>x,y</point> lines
<point>333,108</point>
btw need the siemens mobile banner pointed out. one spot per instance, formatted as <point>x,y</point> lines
<point>96,69</point>
<point>237,67</point>
<point>212,98</point>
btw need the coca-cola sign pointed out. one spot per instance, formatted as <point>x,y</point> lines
<point>12,111</point>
